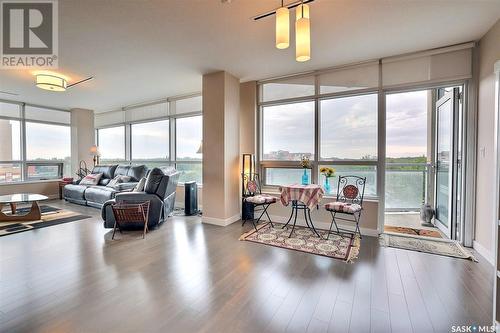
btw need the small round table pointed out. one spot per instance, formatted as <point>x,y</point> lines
<point>14,199</point>
<point>302,197</point>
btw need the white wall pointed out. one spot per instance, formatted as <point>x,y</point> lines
<point>489,53</point>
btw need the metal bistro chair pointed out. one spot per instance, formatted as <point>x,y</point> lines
<point>350,193</point>
<point>252,194</point>
<point>130,213</point>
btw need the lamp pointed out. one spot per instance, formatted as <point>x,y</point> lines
<point>51,82</point>
<point>302,34</point>
<point>247,170</point>
<point>94,152</point>
<point>282,27</point>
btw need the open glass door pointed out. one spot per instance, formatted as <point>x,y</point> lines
<point>445,186</point>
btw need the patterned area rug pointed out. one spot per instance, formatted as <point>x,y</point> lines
<point>50,216</point>
<point>435,246</point>
<point>413,231</point>
<point>344,248</point>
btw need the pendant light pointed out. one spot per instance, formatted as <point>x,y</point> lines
<point>282,27</point>
<point>302,34</point>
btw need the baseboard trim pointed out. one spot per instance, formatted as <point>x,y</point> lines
<point>488,255</point>
<point>326,225</point>
<point>220,222</point>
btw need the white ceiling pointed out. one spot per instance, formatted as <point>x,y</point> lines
<point>146,50</point>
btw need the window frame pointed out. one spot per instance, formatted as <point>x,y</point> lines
<point>24,162</point>
<point>124,136</point>
<point>172,119</point>
<point>262,164</point>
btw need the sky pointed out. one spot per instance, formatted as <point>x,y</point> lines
<point>348,126</point>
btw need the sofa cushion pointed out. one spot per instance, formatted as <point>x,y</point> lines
<point>153,181</point>
<point>135,172</point>
<point>99,194</point>
<point>108,171</point>
<point>91,179</point>
<point>76,192</point>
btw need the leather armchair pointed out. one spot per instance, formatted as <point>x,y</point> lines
<point>160,193</point>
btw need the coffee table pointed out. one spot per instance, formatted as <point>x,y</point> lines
<point>14,199</point>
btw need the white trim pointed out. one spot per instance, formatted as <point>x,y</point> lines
<point>220,222</point>
<point>30,182</point>
<point>487,254</point>
<point>326,225</point>
<point>497,66</point>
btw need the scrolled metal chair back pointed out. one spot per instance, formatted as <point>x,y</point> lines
<point>351,189</point>
<point>250,184</point>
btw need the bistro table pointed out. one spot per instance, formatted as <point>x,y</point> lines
<point>13,199</point>
<point>302,197</point>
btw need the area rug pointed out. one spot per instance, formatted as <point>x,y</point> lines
<point>413,231</point>
<point>50,216</point>
<point>441,247</point>
<point>344,248</point>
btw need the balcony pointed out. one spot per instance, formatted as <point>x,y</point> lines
<point>405,186</point>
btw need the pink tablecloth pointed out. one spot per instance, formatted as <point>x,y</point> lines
<point>310,195</point>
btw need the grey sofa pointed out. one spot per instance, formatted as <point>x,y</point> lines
<point>97,195</point>
<point>159,190</point>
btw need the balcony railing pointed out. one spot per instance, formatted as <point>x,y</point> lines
<point>405,186</point>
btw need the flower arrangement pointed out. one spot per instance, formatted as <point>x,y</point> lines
<point>327,172</point>
<point>305,162</point>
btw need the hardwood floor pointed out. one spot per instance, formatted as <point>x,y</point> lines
<point>191,277</point>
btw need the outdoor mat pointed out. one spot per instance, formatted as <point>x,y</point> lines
<point>441,247</point>
<point>413,231</point>
<point>50,216</point>
<point>344,248</point>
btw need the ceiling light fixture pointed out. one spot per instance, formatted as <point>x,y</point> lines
<point>302,34</point>
<point>282,27</point>
<point>51,82</point>
<point>302,27</point>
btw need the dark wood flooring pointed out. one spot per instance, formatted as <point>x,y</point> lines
<point>191,277</point>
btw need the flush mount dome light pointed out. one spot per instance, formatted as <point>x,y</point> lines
<point>51,82</point>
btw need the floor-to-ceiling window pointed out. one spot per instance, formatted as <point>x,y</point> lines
<point>330,118</point>
<point>163,134</point>
<point>36,143</point>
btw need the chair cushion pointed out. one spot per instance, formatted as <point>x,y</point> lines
<point>343,207</point>
<point>261,199</point>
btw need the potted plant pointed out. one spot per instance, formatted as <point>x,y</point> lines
<point>328,173</point>
<point>305,163</point>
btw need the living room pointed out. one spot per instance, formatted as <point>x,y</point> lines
<point>248,166</point>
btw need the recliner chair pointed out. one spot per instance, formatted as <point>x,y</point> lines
<point>159,190</point>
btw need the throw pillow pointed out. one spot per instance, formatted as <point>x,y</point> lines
<point>118,180</point>
<point>91,179</point>
<point>140,185</point>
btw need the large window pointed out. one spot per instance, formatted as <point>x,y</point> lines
<point>349,128</point>
<point>111,142</point>
<point>339,125</point>
<point>150,141</point>
<point>45,134</point>
<point>47,143</point>
<point>288,131</point>
<point>173,139</point>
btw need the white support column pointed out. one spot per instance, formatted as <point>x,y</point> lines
<point>82,137</point>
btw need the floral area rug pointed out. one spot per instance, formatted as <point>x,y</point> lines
<point>344,248</point>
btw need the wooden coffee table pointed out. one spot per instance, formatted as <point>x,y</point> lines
<point>14,199</point>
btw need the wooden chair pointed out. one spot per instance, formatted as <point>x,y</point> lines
<point>130,213</point>
<point>252,194</point>
<point>350,193</point>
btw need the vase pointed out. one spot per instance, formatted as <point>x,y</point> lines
<point>326,186</point>
<point>305,178</point>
